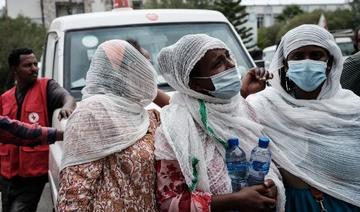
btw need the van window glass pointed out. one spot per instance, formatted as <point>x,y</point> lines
<point>347,48</point>
<point>81,45</point>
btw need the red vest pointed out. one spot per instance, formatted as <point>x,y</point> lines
<point>25,161</point>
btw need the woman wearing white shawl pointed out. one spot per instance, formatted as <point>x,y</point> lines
<point>313,123</point>
<point>202,115</point>
<point>108,161</point>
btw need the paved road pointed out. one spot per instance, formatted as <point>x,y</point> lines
<point>45,204</point>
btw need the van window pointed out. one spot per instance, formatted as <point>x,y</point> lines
<point>347,48</point>
<point>81,45</point>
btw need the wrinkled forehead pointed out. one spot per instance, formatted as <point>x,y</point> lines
<point>27,57</point>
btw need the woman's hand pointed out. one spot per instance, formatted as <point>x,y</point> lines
<point>256,198</point>
<point>254,81</point>
<point>65,113</point>
<point>69,105</point>
<point>271,189</point>
<point>253,198</point>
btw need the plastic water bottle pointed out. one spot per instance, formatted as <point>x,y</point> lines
<point>237,164</point>
<point>259,164</point>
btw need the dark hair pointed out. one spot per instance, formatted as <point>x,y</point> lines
<point>135,44</point>
<point>14,57</point>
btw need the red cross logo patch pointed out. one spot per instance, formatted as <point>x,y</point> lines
<point>34,117</point>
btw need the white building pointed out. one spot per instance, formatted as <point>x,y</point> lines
<point>44,11</point>
<point>267,10</point>
<point>262,13</point>
<point>30,9</point>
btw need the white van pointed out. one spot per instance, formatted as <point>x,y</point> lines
<point>72,41</point>
<point>346,46</point>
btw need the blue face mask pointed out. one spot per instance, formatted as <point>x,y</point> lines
<point>227,84</point>
<point>307,74</point>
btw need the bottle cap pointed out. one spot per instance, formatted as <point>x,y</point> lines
<point>264,142</point>
<point>233,142</point>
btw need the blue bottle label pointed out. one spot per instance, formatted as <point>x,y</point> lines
<point>260,166</point>
<point>231,166</point>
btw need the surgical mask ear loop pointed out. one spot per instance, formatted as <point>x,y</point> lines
<point>284,80</point>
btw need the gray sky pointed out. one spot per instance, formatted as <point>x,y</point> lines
<point>2,3</point>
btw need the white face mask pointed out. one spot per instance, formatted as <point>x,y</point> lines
<point>307,74</point>
<point>227,84</point>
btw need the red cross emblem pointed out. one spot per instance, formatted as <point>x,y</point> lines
<point>33,117</point>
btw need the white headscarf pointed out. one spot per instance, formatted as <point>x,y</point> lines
<point>227,118</point>
<point>315,140</point>
<point>111,117</point>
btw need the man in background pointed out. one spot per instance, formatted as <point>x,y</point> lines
<point>23,170</point>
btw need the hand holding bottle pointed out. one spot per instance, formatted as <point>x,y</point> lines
<point>255,198</point>
<point>251,199</point>
<point>271,189</point>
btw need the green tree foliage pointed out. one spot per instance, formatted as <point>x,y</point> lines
<point>189,4</point>
<point>305,18</point>
<point>17,33</point>
<point>201,4</point>
<point>355,8</point>
<point>341,19</point>
<point>338,19</point>
<point>153,4</point>
<point>237,16</point>
<point>289,12</point>
<point>267,36</point>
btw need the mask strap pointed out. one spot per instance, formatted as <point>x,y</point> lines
<point>204,120</point>
<point>201,77</point>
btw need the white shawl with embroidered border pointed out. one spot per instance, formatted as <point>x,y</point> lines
<point>315,140</point>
